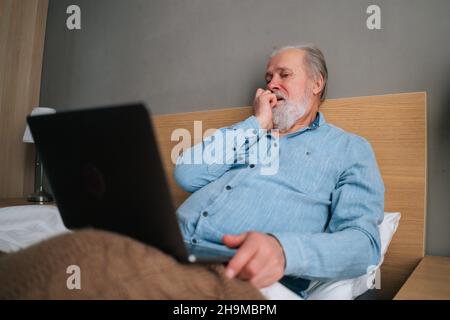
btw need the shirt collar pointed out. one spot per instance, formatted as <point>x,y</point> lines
<point>318,122</point>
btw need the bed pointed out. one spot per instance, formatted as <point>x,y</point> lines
<point>394,124</point>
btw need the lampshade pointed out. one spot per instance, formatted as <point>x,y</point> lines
<point>27,137</point>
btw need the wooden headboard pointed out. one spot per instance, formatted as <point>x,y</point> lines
<point>395,125</point>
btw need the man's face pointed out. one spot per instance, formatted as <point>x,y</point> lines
<point>287,78</point>
<point>286,74</point>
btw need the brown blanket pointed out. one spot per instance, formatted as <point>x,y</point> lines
<point>111,267</point>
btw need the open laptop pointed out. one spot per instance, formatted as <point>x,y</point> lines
<point>105,170</point>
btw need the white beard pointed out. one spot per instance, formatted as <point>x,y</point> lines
<point>285,115</point>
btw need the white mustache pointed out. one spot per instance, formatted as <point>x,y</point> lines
<point>279,95</point>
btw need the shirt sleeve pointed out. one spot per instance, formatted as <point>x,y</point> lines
<point>351,242</point>
<point>209,160</point>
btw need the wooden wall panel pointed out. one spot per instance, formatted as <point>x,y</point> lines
<point>22,33</point>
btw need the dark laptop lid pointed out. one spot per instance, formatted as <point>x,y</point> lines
<point>105,171</point>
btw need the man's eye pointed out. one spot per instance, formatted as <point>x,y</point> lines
<point>285,75</point>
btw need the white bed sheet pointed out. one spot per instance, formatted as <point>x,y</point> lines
<point>22,226</point>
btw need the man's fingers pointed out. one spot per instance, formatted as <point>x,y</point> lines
<point>260,259</point>
<point>254,266</point>
<point>245,253</point>
<point>270,96</point>
<point>263,280</point>
<point>234,241</point>
<point>266,93</point>
<point>259,92</point>
<point>273,100</point>
<point>266,276</point>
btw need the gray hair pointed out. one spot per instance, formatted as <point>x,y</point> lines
<point>314,61</point>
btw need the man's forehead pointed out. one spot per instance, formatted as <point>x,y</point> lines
<point>289,59</point>
<point>279,69</point>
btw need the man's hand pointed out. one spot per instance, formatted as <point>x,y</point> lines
<point>264,101</point>
<point>259,259</point>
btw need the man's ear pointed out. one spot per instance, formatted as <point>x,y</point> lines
<point>318,85</point>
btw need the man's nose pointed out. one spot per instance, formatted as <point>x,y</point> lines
<point>273,85</point>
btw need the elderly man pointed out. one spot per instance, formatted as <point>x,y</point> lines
<point>317,217</point>
<point>314,218</point>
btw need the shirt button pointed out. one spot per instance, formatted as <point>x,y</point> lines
<point>234,148</point>
<point>275,144</point>
<point>228,187</point>
<point>255,132</point>
<point>194,241</point>
<point>307,153</point>
<point>252,166</point>
<point>205,213</point>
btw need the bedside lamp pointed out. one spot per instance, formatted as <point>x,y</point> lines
<point>39,195</point>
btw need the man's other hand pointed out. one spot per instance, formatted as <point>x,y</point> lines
<point>264,101</point>
<point>259,259</point>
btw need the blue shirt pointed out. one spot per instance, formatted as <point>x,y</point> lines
<point>323,204</point>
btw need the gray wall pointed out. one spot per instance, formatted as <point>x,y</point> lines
<point>196,54</point>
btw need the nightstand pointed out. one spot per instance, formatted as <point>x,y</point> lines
<point>429,281</point>
<point>10,202</point>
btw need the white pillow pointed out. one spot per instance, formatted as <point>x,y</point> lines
<point>350,289</point>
